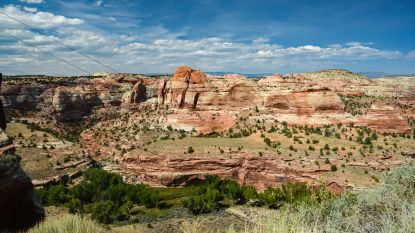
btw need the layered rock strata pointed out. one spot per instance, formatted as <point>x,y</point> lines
<point>259,172</point>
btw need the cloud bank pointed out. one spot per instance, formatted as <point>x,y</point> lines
<point>158,50</point>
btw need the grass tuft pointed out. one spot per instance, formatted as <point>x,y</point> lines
<point>67,224</point>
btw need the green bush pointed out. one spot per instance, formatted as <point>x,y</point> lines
<point>389,207</point>
<point>102,194</point>
<point>190,150</point>
<point>214,192</point>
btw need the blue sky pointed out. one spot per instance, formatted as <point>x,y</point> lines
<point>245,36</point>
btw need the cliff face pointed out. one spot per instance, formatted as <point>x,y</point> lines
<point>326,97</point>
<point>70,100</point>
<point>20,209</point>
<point>258,172</point>
<point>312,98</point>
<point>194,90</point>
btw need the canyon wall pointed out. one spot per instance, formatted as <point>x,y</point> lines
<point>70,100</point>
<point>316,98</point>
<point>193,89</point>
<point>257,172</point>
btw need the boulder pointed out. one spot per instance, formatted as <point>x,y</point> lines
<point>20,208</point>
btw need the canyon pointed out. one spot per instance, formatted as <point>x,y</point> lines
<point>132,124</point>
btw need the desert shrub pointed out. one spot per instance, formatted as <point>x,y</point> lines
<point>190,150</point>
<point>389,207</point>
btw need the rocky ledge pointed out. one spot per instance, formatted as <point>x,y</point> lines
<point>258,172</point>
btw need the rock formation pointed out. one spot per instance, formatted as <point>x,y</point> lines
<point>20,209</point>
<point>183,90</point>
<point>64,99</point>
<point>310,98</point>
<point>137,95</point>
<point>258,172</point>
<point>193,89</point>
<point>315,98</point>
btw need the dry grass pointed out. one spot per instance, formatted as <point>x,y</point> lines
<point>67,224</point>
<point>389,207</point>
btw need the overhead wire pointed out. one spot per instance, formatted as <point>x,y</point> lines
<point>46,52</point>
<point>59,42</point>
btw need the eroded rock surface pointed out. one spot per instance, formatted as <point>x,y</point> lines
<point>20,208</point>
<point>326,97</point>
<point>260,173</point>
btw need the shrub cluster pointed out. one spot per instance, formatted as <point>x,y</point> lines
<point>102,194</point>
<point>215,193</point>
<point>388,207</point>
<point>33,127</point>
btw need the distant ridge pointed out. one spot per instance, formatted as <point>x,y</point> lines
<point>250,75</point>
<point>336,74</point>
<point>374,74</point>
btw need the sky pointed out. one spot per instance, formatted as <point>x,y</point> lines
<point>241,36</point>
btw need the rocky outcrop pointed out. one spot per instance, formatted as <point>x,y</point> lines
<point>183,90</point>
<point>20,209</point>
<point>305,101</point>
<point>312,98</point>
<point>258,172</point>
<point>137,95</point>
<point>65,99</point>
<point>193,89</point>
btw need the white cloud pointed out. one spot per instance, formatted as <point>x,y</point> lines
<point>39,19</point>
<point>30,9</point>
<point>411,54</point>
<point>112,19</point>
<point>265,53</point>
<point>260,40</point>
<point>99,3</point>
<point>32,1</point>
<point>304,49</point>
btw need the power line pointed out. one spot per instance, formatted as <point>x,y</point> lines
<point>44,51</point>
<point>59,42</point>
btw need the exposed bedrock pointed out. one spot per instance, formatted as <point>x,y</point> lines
<point>20,208</point>
<point>68,100</point>
<point>193,89</point>
<point>311,98</point>
<point>259,172</point>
